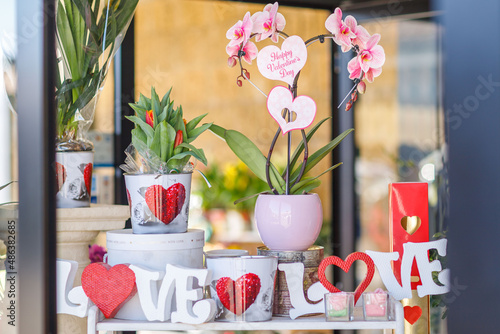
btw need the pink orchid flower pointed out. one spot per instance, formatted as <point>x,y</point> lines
<point>346,32</point>
<point>343,31</point>
<point>268,22</point>
<point>372,56</point>
<point>372,73</point>
<point>369,60</point>
<point>250,50</point>
<point>355,71</point>
<point>240,33</point>
<point>362,35</point>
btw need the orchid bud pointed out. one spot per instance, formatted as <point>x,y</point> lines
<point>239,83</point>
<point>247,75</point>
<point>231,62</point>
<point>361,87</point>
<point>354,96</point>
<point>348,106</point>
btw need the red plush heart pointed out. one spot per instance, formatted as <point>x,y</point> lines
<point>166,204</point>
<point>60,175</point>
<point>108,287</point>
<point>237,296</point>
<point>87,177</point>
<point>345,266</point>
<point>412,313</point>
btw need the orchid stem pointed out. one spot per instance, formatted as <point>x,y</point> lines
<point>287,180</point>
<point>254,85</point>
<point>345,98</point>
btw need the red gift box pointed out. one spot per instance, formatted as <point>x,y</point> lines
<point>408,221</point>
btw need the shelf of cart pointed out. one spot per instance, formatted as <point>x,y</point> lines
<point>277,323</point>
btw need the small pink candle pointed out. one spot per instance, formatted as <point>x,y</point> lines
<point>375,304</point>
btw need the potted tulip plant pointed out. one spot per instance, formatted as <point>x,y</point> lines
<point>158,168</point>
<point>89,32</point>
<point>288,216</point>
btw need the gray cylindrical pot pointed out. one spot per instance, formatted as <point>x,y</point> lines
<point>74,178</point>
<point>159,203</point>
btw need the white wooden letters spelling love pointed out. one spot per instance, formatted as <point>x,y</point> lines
<point>193,309</point>
<point>294,275</point>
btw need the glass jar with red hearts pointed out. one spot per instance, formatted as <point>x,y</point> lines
<point>243,287</point>
<point>159,203</point>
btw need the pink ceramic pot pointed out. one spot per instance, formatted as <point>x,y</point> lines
<point>288,222</point>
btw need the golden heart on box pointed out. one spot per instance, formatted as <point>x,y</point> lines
<point>410,224</point>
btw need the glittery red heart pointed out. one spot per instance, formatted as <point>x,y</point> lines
<point>345,266</point>
<point>87,177</point>
<point>166,204</point>
<point>412,313</point>
<point>108,287</point>
<point>237,296</point>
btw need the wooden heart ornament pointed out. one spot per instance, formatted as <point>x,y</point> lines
<point>283,64</point>
<point>412,313</point>
<point>410,224</point>
<point>109,288</point>
<point>303,106</point>
<point>237,296</point>
<point>345,266</point>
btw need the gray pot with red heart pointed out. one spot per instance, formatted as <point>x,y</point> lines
<point>159,203</point>
<point>73,178</point>
<point>243,287</point>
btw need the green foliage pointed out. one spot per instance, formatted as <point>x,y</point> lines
<point>81,34</point>
<point>249,154</point>
<point>158,128</point>
<point>438,300</point>
<point>230,182</point>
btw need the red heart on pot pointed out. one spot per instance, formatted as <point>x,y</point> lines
<point>345,266</point>
<point>87,177</point>
<point>108,287</point>
<point>412,314</point>
<point>165,204</point>
<point>60,175</point>
<point>237,296</point>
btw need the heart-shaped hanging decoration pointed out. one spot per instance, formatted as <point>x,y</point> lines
<point>109,288</point>
<point>345,266</point>
<point>412,313</point>
<point>283,64</point>
<point>410,224</point>
<point>237,296</point>
<point>303,106</point>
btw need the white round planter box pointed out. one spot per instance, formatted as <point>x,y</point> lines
<point>153,252</point>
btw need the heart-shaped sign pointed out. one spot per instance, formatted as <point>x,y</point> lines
<point>410,224</point>
<point>412,313</point>
<point>303,106</point>
<point>345,266</point>
<point>237,296</point>
<point>283,64</point>
<point>165,204</point>
<point>108,287</point>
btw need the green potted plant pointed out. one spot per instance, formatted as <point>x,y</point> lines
<point>89,32</point>
<point>158,167</point>
<point>288,216</point>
